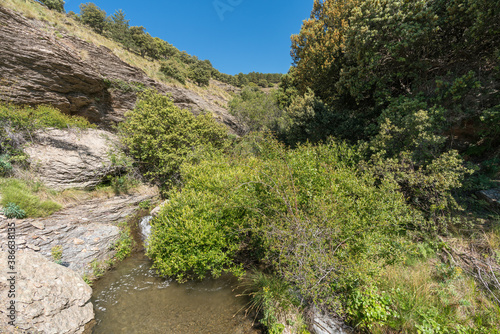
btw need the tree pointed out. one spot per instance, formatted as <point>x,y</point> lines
<point>140,39</point>
<point>57,5</point>
<point>161,136</point>
<point>200,72</point>
<point>242,80</point>
<point>93,16</point>
<point>119,29</point>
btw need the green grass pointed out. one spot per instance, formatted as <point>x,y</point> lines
<point>24,195</point>
<point>29,118</point>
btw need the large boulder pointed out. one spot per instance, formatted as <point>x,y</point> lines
<point>87,232</point>
<point>72,158</point>
<point>49,298</point>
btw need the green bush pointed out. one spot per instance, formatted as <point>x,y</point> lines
<point>174,69</point>
<point>29,118</point>
<point>13,210</point>
<point>160,136</point>
<point>256,110</point>
<point>307,213</point>
<point>57,5</point>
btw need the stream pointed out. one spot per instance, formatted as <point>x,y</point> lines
<point>132,298</point>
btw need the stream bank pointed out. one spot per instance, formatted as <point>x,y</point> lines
<point>132,298</point>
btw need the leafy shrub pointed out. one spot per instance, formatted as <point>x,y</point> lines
<point>161,136</point>
<point>256,110</point>
<point>12,210</point>
<point>174,69</point>
<point>428,188</point>
<point>28,118</point>
<point>367,307</point>
<point>200,72</point>
<point>307,213</point>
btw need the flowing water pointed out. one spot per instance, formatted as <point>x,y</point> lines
<point>133,299</point>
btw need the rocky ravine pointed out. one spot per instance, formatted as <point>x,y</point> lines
<point>87,232</point>
<point>39,66</point>
<point>54,298</point>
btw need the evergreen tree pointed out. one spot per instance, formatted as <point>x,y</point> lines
<point>93,16</point>
<point>119,29</point>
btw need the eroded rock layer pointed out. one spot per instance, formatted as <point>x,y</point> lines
<point>40,66</point>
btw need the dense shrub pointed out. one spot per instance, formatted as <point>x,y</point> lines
<point>160,136</point>
<point>306,213</point>
<point>57,5</point>
<point>256,110</point>
<point>32,118</point>
<point>174,69</point>
<point>200,72</point>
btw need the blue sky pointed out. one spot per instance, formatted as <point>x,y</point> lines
<point>235,35</point>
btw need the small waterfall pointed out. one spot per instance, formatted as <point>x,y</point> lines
<point>145,228</point>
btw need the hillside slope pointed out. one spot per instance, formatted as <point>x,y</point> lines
<point>44,63</point>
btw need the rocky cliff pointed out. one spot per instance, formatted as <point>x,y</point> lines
<point>39,65</point>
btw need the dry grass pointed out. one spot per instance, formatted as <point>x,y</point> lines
<point>435,295</point>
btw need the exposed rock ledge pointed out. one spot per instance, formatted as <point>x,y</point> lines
<point>50,298</point>
<point>72,158</point>
<point>86,232</point>
<point>41,64</point>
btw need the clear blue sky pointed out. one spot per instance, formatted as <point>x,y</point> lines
<point>235,35</point>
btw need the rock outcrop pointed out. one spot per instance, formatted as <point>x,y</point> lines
<point>72,158</point>
<point>49,298</point>
<point>322,323</point>
<point>86,232</point>
<point>492,196</point>
<point>39,65</point>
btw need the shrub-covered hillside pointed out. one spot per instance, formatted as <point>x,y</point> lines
<point>355,187</point>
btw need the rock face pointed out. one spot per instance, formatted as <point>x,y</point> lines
<point>492,196</point>
<point>321,323</point>
<point>50,298</point>
<point>72,158</point>
<point>39,65</point>
<point>86,232</point>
